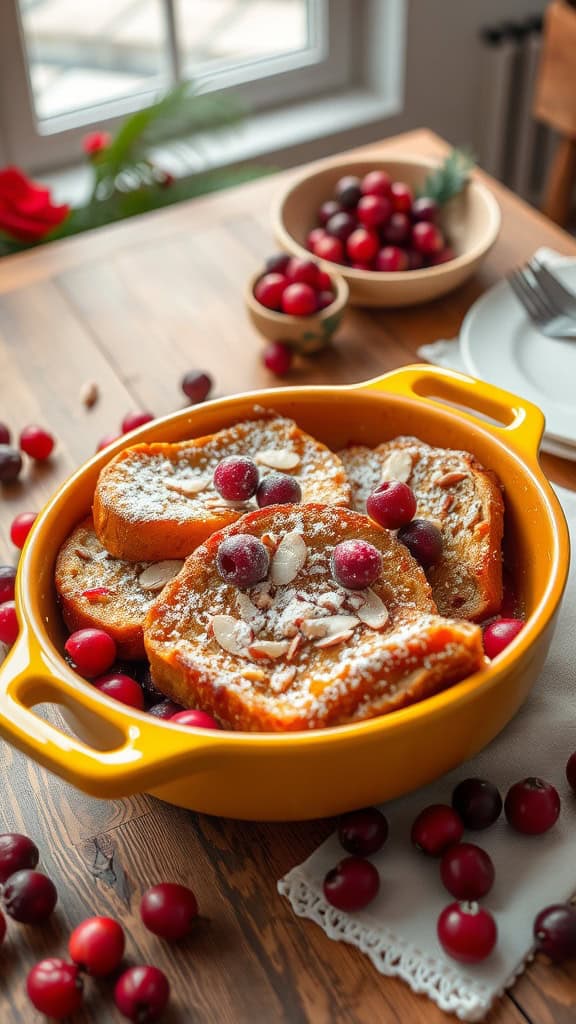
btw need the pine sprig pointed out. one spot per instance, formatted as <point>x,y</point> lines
<point>449,179</point>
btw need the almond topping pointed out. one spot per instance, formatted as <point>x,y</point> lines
<point>278,458</point>
<point>281,680</point>
<point>288,559</point>
<point>268,649</point>
<point>156,576</point>
<point>295,644</point>
<point>332,600</point>
<point>336,638</point>
<point>234,506</point>
<point>373,612</point>
<point>397,466</point>
<point>83,553</point>
<point>187,488</point>
<point>247,611</point>
<point>451,478</point>
<point>89,394</point>
<point>261,596</point>
<point>328,625</point>
<point>254,675</point>
<point>231,634</point>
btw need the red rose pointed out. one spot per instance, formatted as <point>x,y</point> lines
<point>26,210</point>
<point>95,142</point>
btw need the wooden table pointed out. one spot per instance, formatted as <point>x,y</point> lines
<point>133,307</point>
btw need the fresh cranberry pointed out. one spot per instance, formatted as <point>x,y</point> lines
<point>9,627</point>
<point>362,245</point>
<point>348,191</point>
<point>7,583</point>
<point>555,932</point>
<point>133,420</point>
<point>278,358</point>
<point>436,828</point>
<point>2,927</point>
<point>242,560</point>
<point>415,259</point>
<point>141,994</point>
<point>36,442</point>
<point>425,208</point>
<point>195,719</point>
<point>352,884</point>
<point>467,871</point>
<point>532,806</point>
<point>97,946</point>
<point>277,263</point>
<point>499,634</point>
<point>29,897</point>
<point>373,211</point>
<point>363,832</point>
<point>236,478</point>
<point>392,504</point>
<point>5,435</point>
<point>10,464</point>
<point>92,650</point>
<point>20,528</point>
<point>391,259</point>
<point>427,238</point>
<point>570,768</point>
<point>467,932</point>
<point>423,540</point>
<point>106,441</point>
<point>299,300</point>
<point>302,272</point>
<point>278,489</point>
<point>327,210</point>
<point>324,299</point>
<point>397,230</point>
<point>358,265</point>
<point>270,289</point>
<point>169,910</point>
<point>477,802</point>
<point>313,237</point>
<point>196,385</point>
<point>376,183</point>
<point>444,256</point>
<point>122,688</point>
<point>341,225</point>
<point>401,196</point>
<point>356,564</point>
<point>17,853</point>
<point>329,248</point>
<point>324,281</point>
<point>55,988</point>
<point>165,709</point>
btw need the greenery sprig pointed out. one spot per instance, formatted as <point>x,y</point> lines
<point>449,179</point>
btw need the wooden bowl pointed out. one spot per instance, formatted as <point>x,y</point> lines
<point>471,222</point>
<point>305,334</point>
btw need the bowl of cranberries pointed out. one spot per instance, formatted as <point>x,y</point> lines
<point>295,301</point>
<point>373,222</point>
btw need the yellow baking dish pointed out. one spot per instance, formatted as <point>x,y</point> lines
<point>114,751</point>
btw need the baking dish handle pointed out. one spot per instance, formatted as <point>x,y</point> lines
<point>518,422</point>
<point>137,755</point>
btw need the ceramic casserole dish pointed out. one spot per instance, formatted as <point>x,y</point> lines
<point>109,750</point>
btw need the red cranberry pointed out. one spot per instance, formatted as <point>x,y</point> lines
<point>324,281</point>
<point>36,442</point>
<point>532,806</point>
<point>425,208</point>
<point>106,441</point>
<point>196,385</point>
<point>195,719</point>
<point>401,196</point>
<point>236,478</point>
<point>376,183</point>
<point>20,528</point>
<point>467,871</point>
<point>391,259</point>
<point>477,802</point>
<point>467,932</point>
<point>97,946</point>
<point>341,225</point>
<point>5,435</point>
<point>397,230</point>
<point>444,256</point>
<point>329,248</point>
<point>373,211</point>
<point>270,289</point>
<point>362,245</point>
<point>278,489</point>
<point>324,299</point>
<point>423,540</point>
<point>55,988</point>
<point>299,300</point>
<point>415,259</point>
<point>7,583</point>
<point>570,768</point>
<point>313,237</point>
<point>358,265</point>
<point>427,238</point>
<point>356,564</point>
<point>141,994</point>
<point>352,884</point>
<point>278,358</point>
<point>165,709</point>
<point>92,650</point>
<point>277,263</point>
<point>392,504</point>
<point>169,910</point>
<point>302,272</point>
<point>10,464</point>
<point>2,927</point>
<point>436,828</point>
<point>17,853</point>
<point>133,420</point>
<point>555,932</point>
<point>9,627</point>
<point>499,634</point>
<point>122,688</point>
<point>242,560</point>
<point>364,832</point>
<point>327,210</point>
<point>348,191</point>
<point>29,897</point>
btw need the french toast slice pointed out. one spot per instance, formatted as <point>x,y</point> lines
<point>462,498</point>
<point>298,651</point>
<point>158,501</point>
<point>99,591</point>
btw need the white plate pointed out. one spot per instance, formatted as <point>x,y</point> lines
<point>499,344</point>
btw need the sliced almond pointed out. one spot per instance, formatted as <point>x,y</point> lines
<point>156,576</point>
<point>288,559</point>
<point>269,649</point>
<point>234,506</point>
<point>355,599</point>
<point>337,638</point>
<point>294,647</point>
<point>187,488</point>
<point>332,601</point>
<point>247,611</point>
<point>451,478</point>
<point>328,625</point>
<point>261,596</point>
<point>397,466</point>
<point>278,458</point>
<point>83,553</point>
<point>281,680</point>
<point>373,612</point>
<point>254,675</point>
<point>89,394</point>
<point>231,634</point>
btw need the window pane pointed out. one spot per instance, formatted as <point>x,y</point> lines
<point>85,53</point>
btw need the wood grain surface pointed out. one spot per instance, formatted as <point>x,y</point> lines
<point>133,307</point>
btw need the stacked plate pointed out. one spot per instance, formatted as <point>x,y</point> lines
<point>498,343</point>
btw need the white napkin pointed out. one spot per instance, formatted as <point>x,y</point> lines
<point>398,930</point>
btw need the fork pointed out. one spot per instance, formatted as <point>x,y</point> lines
<point>556,292</point>
<point>545,315</point>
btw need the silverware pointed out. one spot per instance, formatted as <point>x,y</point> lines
<point>545,313</point>
<point>556,292</point>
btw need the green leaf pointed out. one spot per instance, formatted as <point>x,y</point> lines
<point>449,179</point>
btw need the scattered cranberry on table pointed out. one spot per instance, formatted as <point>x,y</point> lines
<point>196,385</point>
<point>477,802</point>
<point>236,478</point>
<point>55,988</point>
<point>363,832</point>
<point>436,828</point>
<point>242,560</point>
<point>132,420</point>
<point>169,910</point>
<point>278,489</point>
<point>36,442</point>
<point>17,853</point>
<point>194,719</point>
<point>10,464</point>
<point>532,806</point>
<point>356,564</point>
<point>555,932</point>
<point>467,871</point>
<point>97,946</point>
<point>423,540</point>
<point>9,627</point>
<point>467,932</point>
<point>5,435</point>
<point>122,688</point>
<point>20,528</point>
<point>7,583</point>
<point>142,993</point>
<point>499,634</point>
<point>392,504</point>
<point>352,884</point>
<point>570,764</point>
<point>92,650</point>
<point>278,358</point>
<point>29,897</point>
<point>106,441</point>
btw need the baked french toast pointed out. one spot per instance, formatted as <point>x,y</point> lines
<point>462,498</point>
<point>297,650</point>
<point>158,501</point>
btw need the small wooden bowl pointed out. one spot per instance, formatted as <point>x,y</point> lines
<point>305,334</point>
